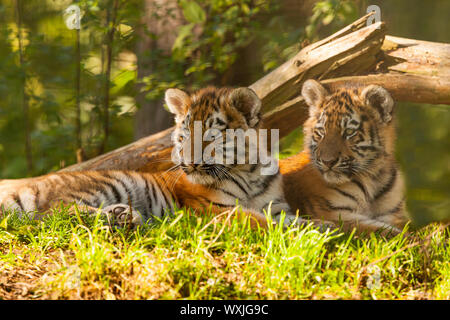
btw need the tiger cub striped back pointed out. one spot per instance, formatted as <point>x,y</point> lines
<point>146,193</point>
<point>348,174</point>
<point>133,197</point>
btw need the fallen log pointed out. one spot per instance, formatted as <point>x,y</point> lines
<point>412,70</point>
<point>348,53</point>
<point>403,87</point>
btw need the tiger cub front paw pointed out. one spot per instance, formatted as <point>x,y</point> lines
<point>321,225</point>
<point>122,215</point>
<point>324,225</point>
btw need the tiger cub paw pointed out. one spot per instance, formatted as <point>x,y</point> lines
<point>324,226</point>
<point>321,225</point>
<point>122,215</point>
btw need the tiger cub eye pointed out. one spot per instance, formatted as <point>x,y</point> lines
<point>348,132</point>
<point>320,131</point>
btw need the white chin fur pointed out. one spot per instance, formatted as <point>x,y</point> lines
<point>335,178</point>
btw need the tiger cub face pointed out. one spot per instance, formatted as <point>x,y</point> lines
<point>202,119</point>
<point>348,131</point>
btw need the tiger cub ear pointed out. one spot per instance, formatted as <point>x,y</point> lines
<point>246,101</point>
<point>177,100</point>
<point>379,98</point>
<point>314,94</point>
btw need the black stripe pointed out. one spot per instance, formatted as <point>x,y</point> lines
<point>393,210</point>
<point>148,197</point>
<point>154,196</point>
<point>76,198</point>
<point>114,190</point>
<point>377,134</point>
<point>330,206</point>
<point>266,183</point>
<point>216,104</point>
<point>396,208</point>
<point>355,150</point>
<point>64,177</point>
<point>379,109</point>
<point>94,194</point>
<point>348,108</point>
<point>94,200</point>
<point>94,182</point>
<point>388,186</point>
<point>127,191</point>
<point>360,137</point>
<point>166,200</point>
<point>361,187</point>
<point>87,202</point>
<point>16,198</point>
<point>219,121</point>
<point>93,189</point>
<point>100,185</point>
<point>228,193</point>
<point>130,194</point>
<point>50,187</point>
<point>308,208</point>
<point>372,134</point>
<point>276,201</point>
<point>221,205</point>
<point>230,177</point>
<point>91,193</point>
<point>246,183</point>
<point>36,197</point>
<point>73,197</point>
<point>365,148</point>
<point>345,194</point>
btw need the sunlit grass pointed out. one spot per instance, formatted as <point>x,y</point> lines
<point>199,257</point>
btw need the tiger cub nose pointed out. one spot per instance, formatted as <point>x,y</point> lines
<point>197,166</point>
<point>330,162</point>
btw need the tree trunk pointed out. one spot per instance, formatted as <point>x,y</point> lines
<point>78,142</point>
<point>161,18</point>
<point>111,16</point>
<point>25,101</point>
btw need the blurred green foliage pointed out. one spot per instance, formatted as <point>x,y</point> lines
<point>219,42</point>
<point>48,75</point>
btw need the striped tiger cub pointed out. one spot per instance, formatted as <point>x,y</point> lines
<point>128,197</point>
<point>347,173</point>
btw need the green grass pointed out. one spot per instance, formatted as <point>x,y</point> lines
<point>188,256</point>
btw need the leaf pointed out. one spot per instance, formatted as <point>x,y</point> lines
<point>183,32</point>
<point>328,19</point>
<point>4,223</point>
<point>193,12</point>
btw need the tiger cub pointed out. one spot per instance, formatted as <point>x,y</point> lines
<point>128,197</point>
<point>347,174</point>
